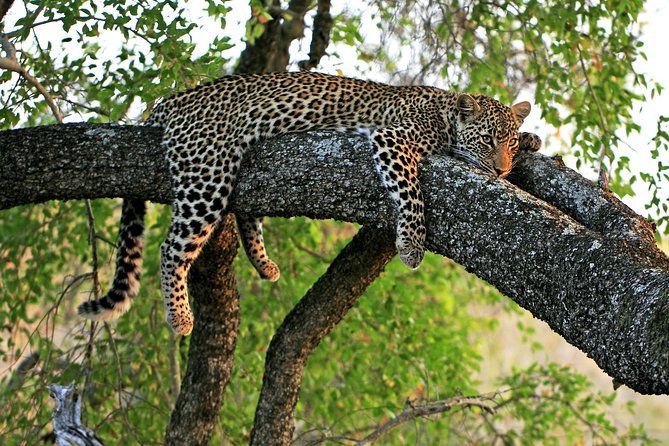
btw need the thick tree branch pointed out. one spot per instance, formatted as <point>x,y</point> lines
<point>596,277</point>
<point>319,311</point>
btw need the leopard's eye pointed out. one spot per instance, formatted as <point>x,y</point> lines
<point>513,142</point>
<point>487,139</point>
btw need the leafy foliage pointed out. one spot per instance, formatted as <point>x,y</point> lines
<point>412,336</point>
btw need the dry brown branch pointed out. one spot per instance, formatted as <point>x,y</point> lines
<point>21,372</point>
<point>411,412</point>
<point>11,63</point>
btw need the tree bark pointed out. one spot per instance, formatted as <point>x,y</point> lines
<point>595,277</point>
<point>317,313</point>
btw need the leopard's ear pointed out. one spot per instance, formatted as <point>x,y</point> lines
<point>467,106</point>
<point>521,110</point>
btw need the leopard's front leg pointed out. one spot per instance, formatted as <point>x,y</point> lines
<point>396,157</point>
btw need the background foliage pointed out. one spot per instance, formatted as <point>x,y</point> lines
<point>413,335</point>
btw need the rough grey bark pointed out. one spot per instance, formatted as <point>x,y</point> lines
<point>212,344</point>
<point>583,200</point>
<point>594,278</point>
<point>317,313</point>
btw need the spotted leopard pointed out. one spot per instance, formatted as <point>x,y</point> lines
<point>207,130</point>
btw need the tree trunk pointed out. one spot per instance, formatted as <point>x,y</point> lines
<point>319,311</point>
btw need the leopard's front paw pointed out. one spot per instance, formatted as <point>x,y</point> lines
<point>529,142</point>
<point>410,254</point>
<point>181,321</point>
<point>270,271</point>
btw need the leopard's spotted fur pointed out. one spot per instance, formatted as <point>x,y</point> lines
<point>207,130</point>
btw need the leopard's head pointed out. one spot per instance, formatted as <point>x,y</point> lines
<point>487,132</point>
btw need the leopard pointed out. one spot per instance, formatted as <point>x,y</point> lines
<point>208,129</point>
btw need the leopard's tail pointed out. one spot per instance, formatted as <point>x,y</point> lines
<point>128,267</point>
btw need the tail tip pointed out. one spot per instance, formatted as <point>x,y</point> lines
<point>95,311</point>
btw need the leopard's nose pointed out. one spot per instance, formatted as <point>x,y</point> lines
<point>501,173</point>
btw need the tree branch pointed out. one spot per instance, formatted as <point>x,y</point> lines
<point>67,425</point>
<point>319,311</point>
<point>292,27</point>
<point>4,8</point>
<point>586,264</point>
<point>270,52</point>
<point>320,38</point>
<point>11,63</point>
<point>411,412</point>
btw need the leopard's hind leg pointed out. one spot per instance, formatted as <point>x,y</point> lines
<point>200,199</point>
<point>250,230</point>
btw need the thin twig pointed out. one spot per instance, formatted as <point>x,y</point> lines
<point>595,99</point>
<point>119,375</point>
<point>92,240</point>
<point>175,370</point>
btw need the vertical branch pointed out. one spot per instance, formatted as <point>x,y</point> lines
<point>214,294</point>
<point>319,311</point>
<point>292,27</point>
<point>320,37</point>
<point>257,56</point>
<point>270,52</point>
<point>92,240</point>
